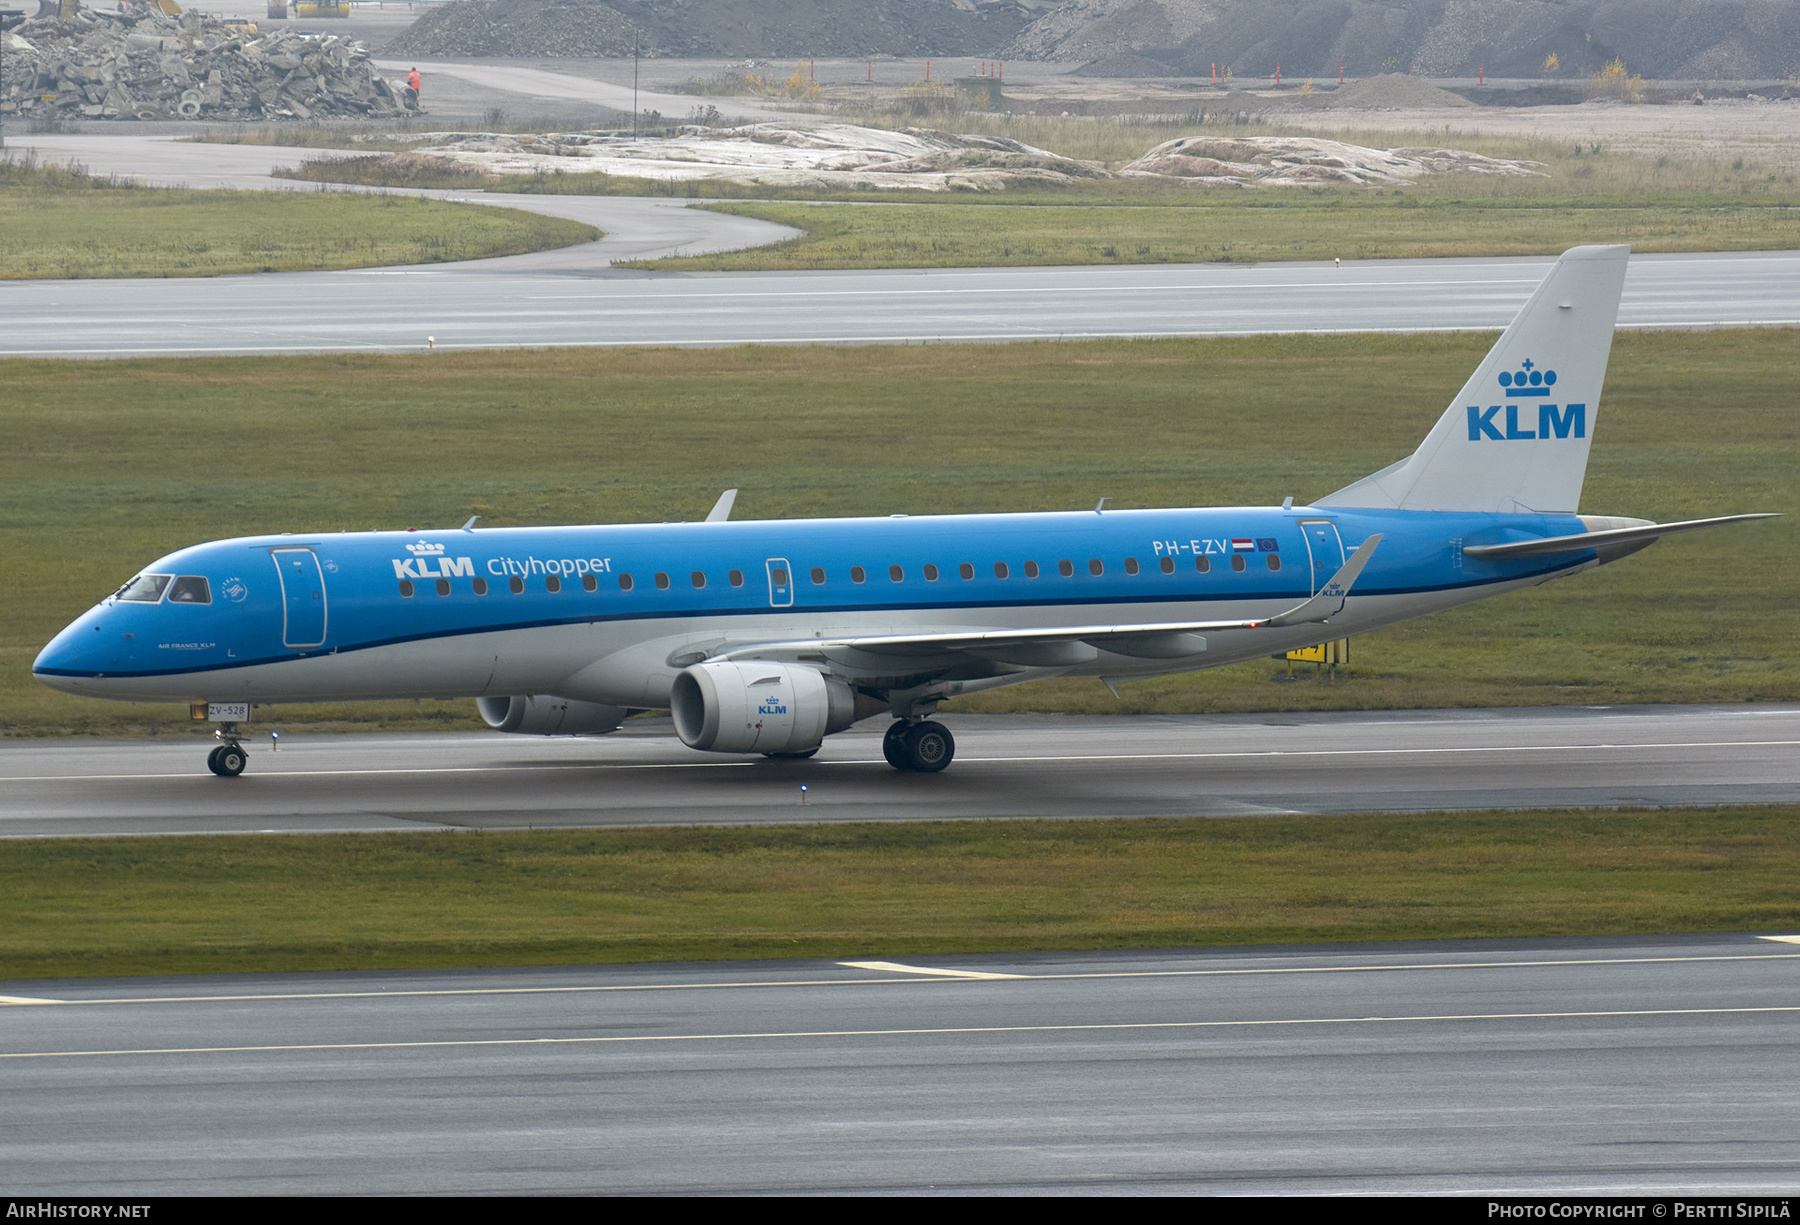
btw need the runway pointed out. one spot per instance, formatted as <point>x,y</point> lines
<point>1006,766</point>
<point>1595,1066</point>
<point>503,304</point>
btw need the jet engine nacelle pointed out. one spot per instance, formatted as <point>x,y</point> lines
<point>545,715</point>
<point>726,706</point>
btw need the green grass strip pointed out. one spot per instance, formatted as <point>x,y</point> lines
<point>61,223</point>
<point>388,901</point>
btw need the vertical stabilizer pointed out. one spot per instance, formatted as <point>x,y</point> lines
<point>1516,437</point>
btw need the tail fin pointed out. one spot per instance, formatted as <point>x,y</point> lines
<point>1516,437</point>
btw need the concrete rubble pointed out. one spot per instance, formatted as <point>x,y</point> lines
<point>1302,161</point>
<point>847,156</point>
<point>780,154</point>
<point>139,63</point>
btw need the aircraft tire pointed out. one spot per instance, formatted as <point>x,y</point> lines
<point>212,758</point>
<point>230,761</point>
<point>929,748</point>
<point>893,745</point>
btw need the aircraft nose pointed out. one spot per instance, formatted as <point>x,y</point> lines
<point>71,657</point>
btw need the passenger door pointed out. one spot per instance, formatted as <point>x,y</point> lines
<point>302,598</point>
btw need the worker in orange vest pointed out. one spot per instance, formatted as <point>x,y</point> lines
<point>412,83</point>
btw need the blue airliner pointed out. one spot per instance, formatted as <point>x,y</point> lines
<point>766,637</point>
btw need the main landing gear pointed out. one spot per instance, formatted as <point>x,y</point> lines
<point>918,748</point>
<point>229,759</point>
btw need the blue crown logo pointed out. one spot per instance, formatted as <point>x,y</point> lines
<point>1528,381</point>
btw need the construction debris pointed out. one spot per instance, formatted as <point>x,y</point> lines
<point>142,63</point>
<point>782,154</point>
<point>1306,161</point>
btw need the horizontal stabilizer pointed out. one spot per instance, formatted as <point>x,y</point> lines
<point>1597,540</point>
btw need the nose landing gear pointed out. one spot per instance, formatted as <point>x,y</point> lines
<point>918,748</point>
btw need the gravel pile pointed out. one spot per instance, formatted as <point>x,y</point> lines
<point>1391,91</point>
<point>139,63</point>
<point>1660,39</point>
<point>705,29</point>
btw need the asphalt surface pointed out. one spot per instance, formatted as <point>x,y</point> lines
<point>1652,1066</point>
<point>1006,766</point>
<point>564,299</point>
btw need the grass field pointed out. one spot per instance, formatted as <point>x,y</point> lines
<point>1288,226</point>
<point>58,223</point>
<point>376,901</point>
<point>106,465</point>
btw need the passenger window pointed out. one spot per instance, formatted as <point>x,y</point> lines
<point>516,585</point>
<point>144,589</point>
<point>1096,566</point>
<point>1131,566</point>
<point>897,574</point>
<point>858,574</point>
<point>818,576</point>
<point>777,576</point>
<point>552,583</point>
<point>736,577</point>
<point>1237,562</point>
<point>588,582</point>
<point>480,586</point>
<point>190,589</point>
<point>1274,561</point>
<point>443,586</point>
<point>406,588</point>
<point>1031,569</point>
<point>931,573</point>
<point>1168,565</point>
<point>966,570</point>
<point>699,579</point>
<point>624,582</point>
<point>1000,570</point>
<point>1066,569</point>
<point>662,580</point>
<point>1202,564</point>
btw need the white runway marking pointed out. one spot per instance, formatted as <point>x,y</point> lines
<point>897,968</point>
<point>940,1031</point>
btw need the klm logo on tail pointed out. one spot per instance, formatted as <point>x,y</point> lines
<point>1566,422</point>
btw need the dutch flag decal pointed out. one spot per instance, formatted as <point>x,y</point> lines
<point>1243,545</point>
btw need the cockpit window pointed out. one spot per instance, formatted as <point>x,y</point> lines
<point>144,589</point>
<point>190,589</point>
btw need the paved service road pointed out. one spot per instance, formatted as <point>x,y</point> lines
<point>1013,766</point>
<point>499,304</point>
<point>1654,1065</point>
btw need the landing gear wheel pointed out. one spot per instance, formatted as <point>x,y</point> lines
<point>228,761</point>
<point>893,744</point>
<point>918,748</point>
<point>802,755</point>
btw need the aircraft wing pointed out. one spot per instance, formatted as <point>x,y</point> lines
<point>1594,540</point>
<point>1156,639</point>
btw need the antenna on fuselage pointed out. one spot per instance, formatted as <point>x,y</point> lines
<point>721,510</point>
<point>470,525</point>
<point>1100,504</point>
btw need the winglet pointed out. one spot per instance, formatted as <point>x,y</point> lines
<point>1330,600</point>
<point>721,510</point>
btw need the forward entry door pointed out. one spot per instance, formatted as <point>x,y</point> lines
<point>302,598</point>
<point>1326,548</point>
